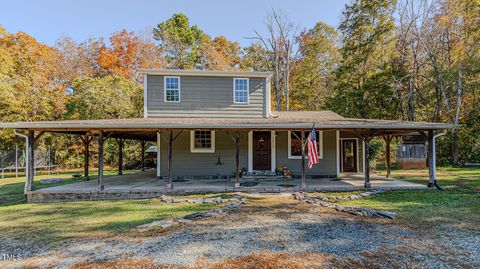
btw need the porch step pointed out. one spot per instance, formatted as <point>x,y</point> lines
<point>255,177</point>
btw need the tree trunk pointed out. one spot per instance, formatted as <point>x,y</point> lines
<point>454,147</point>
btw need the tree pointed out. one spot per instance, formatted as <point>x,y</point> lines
<point>80,60</point>
<point>410,63</point>
<point>35,89</point>
<point>255,58</point>
<point>364,75</point>
<point>179,41</point>
<point>126,54</point>
<point>313,74</point>
<point>280,44</point>
<point>219,53</point>
<point>450,38</point>
<point>110,97</point>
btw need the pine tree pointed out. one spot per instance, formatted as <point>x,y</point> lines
<point>362,79</point>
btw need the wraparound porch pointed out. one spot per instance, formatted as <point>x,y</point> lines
<point>251,143</point>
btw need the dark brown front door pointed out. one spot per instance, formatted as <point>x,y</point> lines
<point>261,151</point>
<point>349,155</point>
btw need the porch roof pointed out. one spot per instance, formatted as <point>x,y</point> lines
<point>278,121</point>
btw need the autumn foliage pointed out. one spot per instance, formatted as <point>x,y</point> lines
<point>404,60</point>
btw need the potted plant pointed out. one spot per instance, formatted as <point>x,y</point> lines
<point>287,174</point>
<point>279,171</point>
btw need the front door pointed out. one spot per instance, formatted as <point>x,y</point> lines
<point>349,155</point>
<point>261,151</point>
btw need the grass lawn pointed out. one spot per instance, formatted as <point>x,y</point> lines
<point>54,223</point>
<point>11,188</point>
<point>458,206</point>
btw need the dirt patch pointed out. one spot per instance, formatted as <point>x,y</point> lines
<point>123,263</point>
<point>265,260</point>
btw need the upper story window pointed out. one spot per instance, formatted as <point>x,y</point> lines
<point>202,141</point>
<point>295,144</point>
<point>172,89</point>
<point>240,90</point>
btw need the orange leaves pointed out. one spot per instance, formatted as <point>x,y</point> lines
<point>127,53</point>
<point>121,58</point>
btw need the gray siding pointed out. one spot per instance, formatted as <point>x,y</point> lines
<point>205,97</point>
<point>186,163</point>
<point>325,167</point>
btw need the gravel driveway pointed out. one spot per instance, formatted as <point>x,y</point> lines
<point>288,226</point>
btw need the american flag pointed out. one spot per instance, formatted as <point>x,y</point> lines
<point>312,148</point>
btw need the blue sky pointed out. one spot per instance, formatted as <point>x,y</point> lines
<point>47,20</point>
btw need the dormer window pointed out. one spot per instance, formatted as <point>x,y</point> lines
<point>172,89</point>
<point>240,90</point>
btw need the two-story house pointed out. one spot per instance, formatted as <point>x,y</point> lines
<point>225,102</point>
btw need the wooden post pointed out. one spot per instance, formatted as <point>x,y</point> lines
<point>100,161</point>
<point>86,144</point>
<point>388,140</point>
<point>120,142</point>
<point>367,183</point>
<point>170,153</point>
<point>237,160</point>
<point>30,166</point>
<point>303,159</point>
<point>142,145</point>
<point>431,160</point>
<point>16,160</point>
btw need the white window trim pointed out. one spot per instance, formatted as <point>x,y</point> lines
<point>320,145</point>
<point>248,91</point>
<point>201,150</point>
<point>165,90</point>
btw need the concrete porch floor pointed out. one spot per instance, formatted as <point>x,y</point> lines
<point>147,181</point>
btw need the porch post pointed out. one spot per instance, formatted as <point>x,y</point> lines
<point>337,135</point>
<point>303,159</point>
<point>100,161</point>
<point>388,140</point>
<point>86,144</point>
<point>142,145</point>
<point>366,160</point>
<point>29,184</point>
<point>16,160</point>
<point>158,154</point>
<point>170,153</point>
<point>120,142</point>
<point>237,160</point>
<point>431,159</point>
